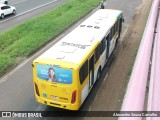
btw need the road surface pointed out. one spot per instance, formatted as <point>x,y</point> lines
<point>27,9</point>
<point>16,88</point>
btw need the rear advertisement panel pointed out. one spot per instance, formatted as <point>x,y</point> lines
<point>54,74</point>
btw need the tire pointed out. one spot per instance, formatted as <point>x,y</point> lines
<point>14,12</point>
<point>2,16</point>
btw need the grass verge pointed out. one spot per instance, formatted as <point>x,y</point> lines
<point>24,39</point>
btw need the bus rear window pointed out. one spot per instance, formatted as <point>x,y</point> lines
<point>54,74</point>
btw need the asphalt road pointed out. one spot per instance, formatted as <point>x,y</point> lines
<point>16,88</point>
<point>27,9</point>
<point>26,5</point>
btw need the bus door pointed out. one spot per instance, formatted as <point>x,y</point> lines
<point>91,71</point>
<point>107,45</point>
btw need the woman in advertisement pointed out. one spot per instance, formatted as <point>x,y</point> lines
<point>51,75</point>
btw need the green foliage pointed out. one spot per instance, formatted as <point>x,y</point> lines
<point>24,39</point>
<point>6,62</point>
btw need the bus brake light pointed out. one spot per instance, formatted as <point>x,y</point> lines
<point>36,87</point>
<point>74,95</point>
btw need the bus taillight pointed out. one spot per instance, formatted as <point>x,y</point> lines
<point>74,95</point>
<point>36,87</point>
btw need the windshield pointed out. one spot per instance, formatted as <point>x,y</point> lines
<point>54,74</point>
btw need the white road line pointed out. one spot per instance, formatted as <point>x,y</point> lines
<point>105,77</point>
<point>3,80</point>
<point>19,2</point>
<point>28,11</point>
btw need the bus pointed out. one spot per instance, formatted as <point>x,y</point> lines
<point>64,75</point>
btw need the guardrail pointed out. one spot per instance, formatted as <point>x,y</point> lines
<point>135,93</point>
<point>154,96</point>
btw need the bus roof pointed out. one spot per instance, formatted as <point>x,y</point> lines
<point>78,43</point>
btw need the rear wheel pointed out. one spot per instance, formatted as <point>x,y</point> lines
<point>2,16</point>
<point>14,12</point>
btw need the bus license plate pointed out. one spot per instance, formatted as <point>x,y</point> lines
<point>54,97</point>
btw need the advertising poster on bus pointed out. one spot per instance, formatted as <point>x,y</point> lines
<point>54,74</point>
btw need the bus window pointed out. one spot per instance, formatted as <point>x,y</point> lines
<point>120,24</point>
<point>97,52</point>
<point>108,45</point>
<point>114,29</point>
<point>116,26</point>
<point>111,33</point>
<point>83,73</point>
<point>103,45</point>
<point>107,38</point>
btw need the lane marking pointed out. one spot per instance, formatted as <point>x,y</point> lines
<point>28,11</point>
<point>3,79</point>
<point>19,2</point>
<point>105,77</point>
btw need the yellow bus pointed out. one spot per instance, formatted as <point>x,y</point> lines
<point>65,74</point>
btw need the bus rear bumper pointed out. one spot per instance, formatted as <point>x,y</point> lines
<point>57,104</point>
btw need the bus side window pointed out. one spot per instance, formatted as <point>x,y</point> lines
<point>97,53</point>
<point>120,24</point>
<point>112,33</point>
<point>83,73</point>
<point>108,45</point>
<point>114,29</point>
<point>107,38</point>
<point>103,45</point>
<point>116,26</point>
